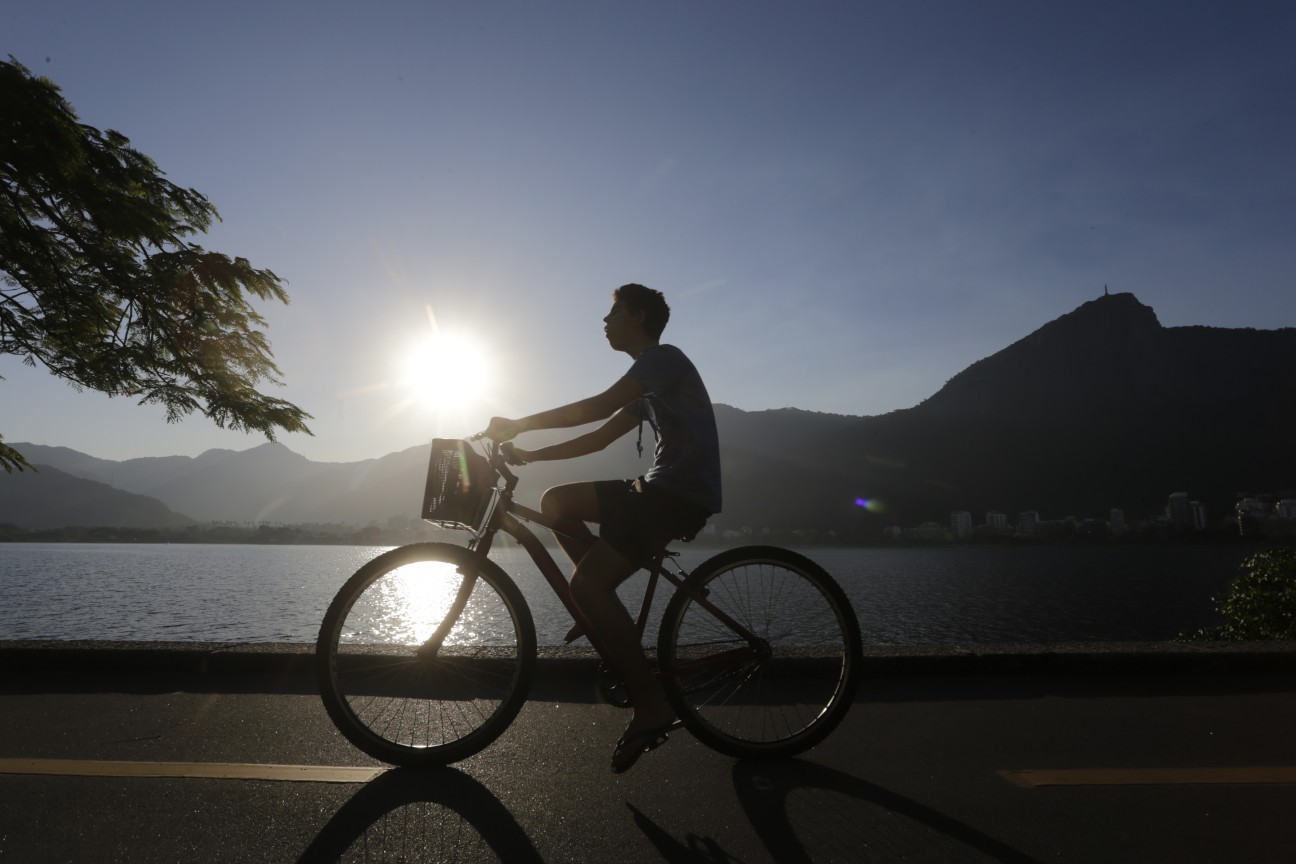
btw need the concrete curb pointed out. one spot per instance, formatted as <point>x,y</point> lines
<point>51,659</point>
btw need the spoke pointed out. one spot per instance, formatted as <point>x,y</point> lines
<point>781,698</point>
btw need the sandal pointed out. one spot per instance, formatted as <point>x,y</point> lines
<point>632,746</point>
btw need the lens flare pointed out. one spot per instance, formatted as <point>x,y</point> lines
<point>872,505</point>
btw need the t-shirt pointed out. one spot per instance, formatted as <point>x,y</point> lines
<point>687,458</point>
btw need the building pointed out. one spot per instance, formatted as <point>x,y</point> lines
<point>1250,514</point>
<point>1198,515</point>
<point>1259,516</point>
<point>961,524</point>
<point>1116,522</point>
<point>997,522</point>
<point>927,532</point>
<point>1184,514</point>
<point>1179,511</point>
<point>1027,523</point>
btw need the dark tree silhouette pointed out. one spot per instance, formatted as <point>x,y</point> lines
<point>99,284</point>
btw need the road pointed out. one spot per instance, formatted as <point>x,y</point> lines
<point>1075,767</point>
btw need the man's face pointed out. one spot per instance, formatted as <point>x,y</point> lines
<point>622,327</point>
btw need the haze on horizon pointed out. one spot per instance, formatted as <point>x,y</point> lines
<point>845,204</point>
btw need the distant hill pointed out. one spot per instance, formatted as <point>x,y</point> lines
<point>1100,408</point>
<point>268,483</point>
<point>49,498</point>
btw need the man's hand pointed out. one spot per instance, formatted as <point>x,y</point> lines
<point>502,429</point>
<point>515,456</point>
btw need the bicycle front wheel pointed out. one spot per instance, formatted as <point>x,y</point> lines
<point>426,655</point>
<point>781,692</point>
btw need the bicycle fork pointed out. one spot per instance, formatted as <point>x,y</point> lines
<point>432,645</point>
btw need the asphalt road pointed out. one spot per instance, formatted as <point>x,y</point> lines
<point>989,767</point>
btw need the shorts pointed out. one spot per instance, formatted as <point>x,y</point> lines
<point>639,519</point>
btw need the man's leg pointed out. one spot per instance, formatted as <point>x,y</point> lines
<point>599,570</point>
<point>594,586</point>
<point>574,504</point>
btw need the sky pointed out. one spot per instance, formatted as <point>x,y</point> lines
<point>845,204</point>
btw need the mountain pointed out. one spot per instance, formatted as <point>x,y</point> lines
<point>268,483</point>
<point>1101,408</point>
<point>49,498</point>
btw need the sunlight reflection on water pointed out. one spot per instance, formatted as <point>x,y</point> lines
<point>406,606</point>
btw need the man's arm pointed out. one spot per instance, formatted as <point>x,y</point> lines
<point>589,410</point>
<point>582,445</point>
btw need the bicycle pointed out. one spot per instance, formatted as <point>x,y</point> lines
<point>427,653</point>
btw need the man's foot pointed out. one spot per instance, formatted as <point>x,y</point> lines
<point>634,744</point>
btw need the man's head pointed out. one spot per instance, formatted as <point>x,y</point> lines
<point>639,298</point>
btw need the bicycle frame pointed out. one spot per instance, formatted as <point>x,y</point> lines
<point>505,514</point>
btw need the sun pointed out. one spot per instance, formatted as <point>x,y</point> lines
<point>447,371</point>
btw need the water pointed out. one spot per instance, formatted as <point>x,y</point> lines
<point>226,593</point>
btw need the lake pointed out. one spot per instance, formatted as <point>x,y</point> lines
<point>917,596</point>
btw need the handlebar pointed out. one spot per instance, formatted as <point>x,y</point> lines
<point>505,449</point>
<point>501,455</point>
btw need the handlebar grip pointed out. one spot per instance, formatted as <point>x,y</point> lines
<point>510,454</point>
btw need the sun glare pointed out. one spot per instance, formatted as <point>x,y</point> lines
<point>447,371</point>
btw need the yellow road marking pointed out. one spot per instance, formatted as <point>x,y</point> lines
<point>209,770</point>
<point>1250,776</point>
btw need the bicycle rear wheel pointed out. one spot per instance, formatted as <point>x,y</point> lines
<point>425,655</point>
<point>783,695</point>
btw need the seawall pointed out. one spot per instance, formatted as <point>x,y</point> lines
<point>164,660</point>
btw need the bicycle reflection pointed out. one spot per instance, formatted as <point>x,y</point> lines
<point>416,816</point>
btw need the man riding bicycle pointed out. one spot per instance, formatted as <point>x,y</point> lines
<point>636,518</point>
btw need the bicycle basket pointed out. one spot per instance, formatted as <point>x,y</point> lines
<point>459,485</point>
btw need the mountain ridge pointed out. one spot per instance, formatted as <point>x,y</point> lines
<point>50,498</point>
<point>1101,407</point>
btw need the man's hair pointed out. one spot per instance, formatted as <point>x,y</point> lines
<point>640,298</point>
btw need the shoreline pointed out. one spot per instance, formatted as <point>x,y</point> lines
<point>70,659</point>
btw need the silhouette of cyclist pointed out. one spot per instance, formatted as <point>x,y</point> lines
<point>636,518</point>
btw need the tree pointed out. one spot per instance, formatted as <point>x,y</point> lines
<point>99,285</point>
<point>1261,601</point>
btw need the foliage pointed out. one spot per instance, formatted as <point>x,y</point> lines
<point>1261,600</point>
<point>99,285</point>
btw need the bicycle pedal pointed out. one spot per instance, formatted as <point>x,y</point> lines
<point>611,687</point>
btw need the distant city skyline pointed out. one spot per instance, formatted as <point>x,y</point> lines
<point>1182,513</point>
<point>845,204</point>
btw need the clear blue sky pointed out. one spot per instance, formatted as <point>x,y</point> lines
<point>845,203</point>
